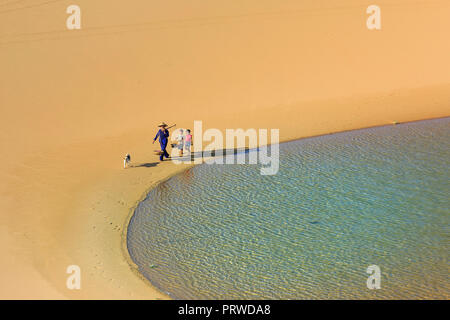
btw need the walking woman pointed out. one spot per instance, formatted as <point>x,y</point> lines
<point>163,135</point>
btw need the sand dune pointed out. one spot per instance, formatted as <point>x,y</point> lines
<point>74,102</point>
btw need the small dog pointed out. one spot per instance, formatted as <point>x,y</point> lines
<point>126,161</point>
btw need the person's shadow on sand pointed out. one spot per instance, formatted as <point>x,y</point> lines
<point>145,165</point>
<point>194,155</point>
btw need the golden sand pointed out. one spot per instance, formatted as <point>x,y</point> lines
<point>73,103</point>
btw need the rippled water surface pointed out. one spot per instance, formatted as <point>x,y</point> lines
<point>338,204</point>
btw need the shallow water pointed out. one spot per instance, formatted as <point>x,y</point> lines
<point>338,204</point>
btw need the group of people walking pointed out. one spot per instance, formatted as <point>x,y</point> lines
<point>184,141</point>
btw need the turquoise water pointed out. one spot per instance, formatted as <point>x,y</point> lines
<point>338,204</point>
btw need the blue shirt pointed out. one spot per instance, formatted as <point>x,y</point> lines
<point>163,135</point>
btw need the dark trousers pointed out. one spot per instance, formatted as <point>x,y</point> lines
<point>163,149</point>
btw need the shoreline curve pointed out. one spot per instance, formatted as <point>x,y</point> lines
<point>135,269</point>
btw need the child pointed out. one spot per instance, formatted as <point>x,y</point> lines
<point>188,141</point>
<point>180,140</point>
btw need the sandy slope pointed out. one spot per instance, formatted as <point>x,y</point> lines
<point>73,103</point>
